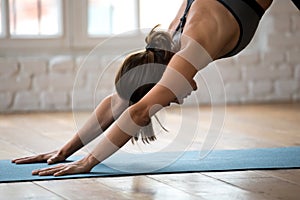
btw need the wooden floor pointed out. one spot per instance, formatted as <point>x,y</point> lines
<point>248,126</point>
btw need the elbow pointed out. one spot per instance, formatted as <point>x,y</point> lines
<point>139,113</point>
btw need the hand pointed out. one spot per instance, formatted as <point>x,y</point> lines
<point>50,158</point>
<point>82,166</point>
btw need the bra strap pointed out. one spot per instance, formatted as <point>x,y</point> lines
<point>183,18</point>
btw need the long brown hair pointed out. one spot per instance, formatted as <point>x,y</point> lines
<point>130,80</point>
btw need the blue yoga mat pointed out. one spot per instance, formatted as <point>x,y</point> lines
<point>217,160</point>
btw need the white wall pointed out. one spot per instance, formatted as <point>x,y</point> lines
<point>268,71</point>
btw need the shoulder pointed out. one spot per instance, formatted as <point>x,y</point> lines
<point>211,24</point>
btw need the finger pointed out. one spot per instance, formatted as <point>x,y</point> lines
<point>16,159</point>
<point>24,158</point>
<point>50,172</point>
<point>54,159</point>
<point>65,171</point>
<point>37,171</point>
<point>27,160</point>
<point>51,161</point>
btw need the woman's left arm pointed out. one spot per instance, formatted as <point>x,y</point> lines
<point>133,118</point>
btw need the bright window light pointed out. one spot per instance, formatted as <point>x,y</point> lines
<point>107,17</point>
<point>153,12</point>
<point>35,17</point>
<point>1,18</point>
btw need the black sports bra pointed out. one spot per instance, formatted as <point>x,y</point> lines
<point>247,13</point>
<point>178,31</point>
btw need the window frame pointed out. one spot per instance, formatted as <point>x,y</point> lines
<point>3,19</point>
<point>74,36</point>
<point>60,28</point>
<point>15,43</point>
<point>80,28</point>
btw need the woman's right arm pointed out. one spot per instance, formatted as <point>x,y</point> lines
<point>103,116</point>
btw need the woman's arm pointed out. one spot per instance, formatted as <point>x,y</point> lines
<point>130,121</point>
<point>176,84</point>
<point>102,117</point>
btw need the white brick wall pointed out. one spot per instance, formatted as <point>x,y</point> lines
<point>286,87</point>
<point>83,99</point>
<point>54,100</point>
<point>8,67</point>
<point>229,69</point>
<point>261,87</point>
<point>297,72</point>
<point>272,57</point>
<point>61,64</point>
<point>26,101</point>
<point>293,56</point>
<point>295,23</point>
<point>14,83</point>
<point>30,66</point>
<point>267,71</point>
<point>5,100</point>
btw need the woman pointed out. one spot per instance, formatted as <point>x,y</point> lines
<point>207,30</point>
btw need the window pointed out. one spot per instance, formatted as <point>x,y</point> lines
<point>107,17</point>
<point>154,12</point>
<point>63,25</point>
<point>34,25</point>
<point>34,18</point>
<point>1,18</point>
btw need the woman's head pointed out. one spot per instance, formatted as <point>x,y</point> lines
<point>142,70</point>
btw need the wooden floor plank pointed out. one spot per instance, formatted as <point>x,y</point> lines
<point>81,189</point>
<point>27,190</point>
<point>196,183</point>
<point>9,151</point>
<point>245,126</point>
<point>263,184</point>
<point>276,124</point>
<point>142,187</point>
<point>239,196</point>
<point>29,139</point>
<point>292,175</point>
